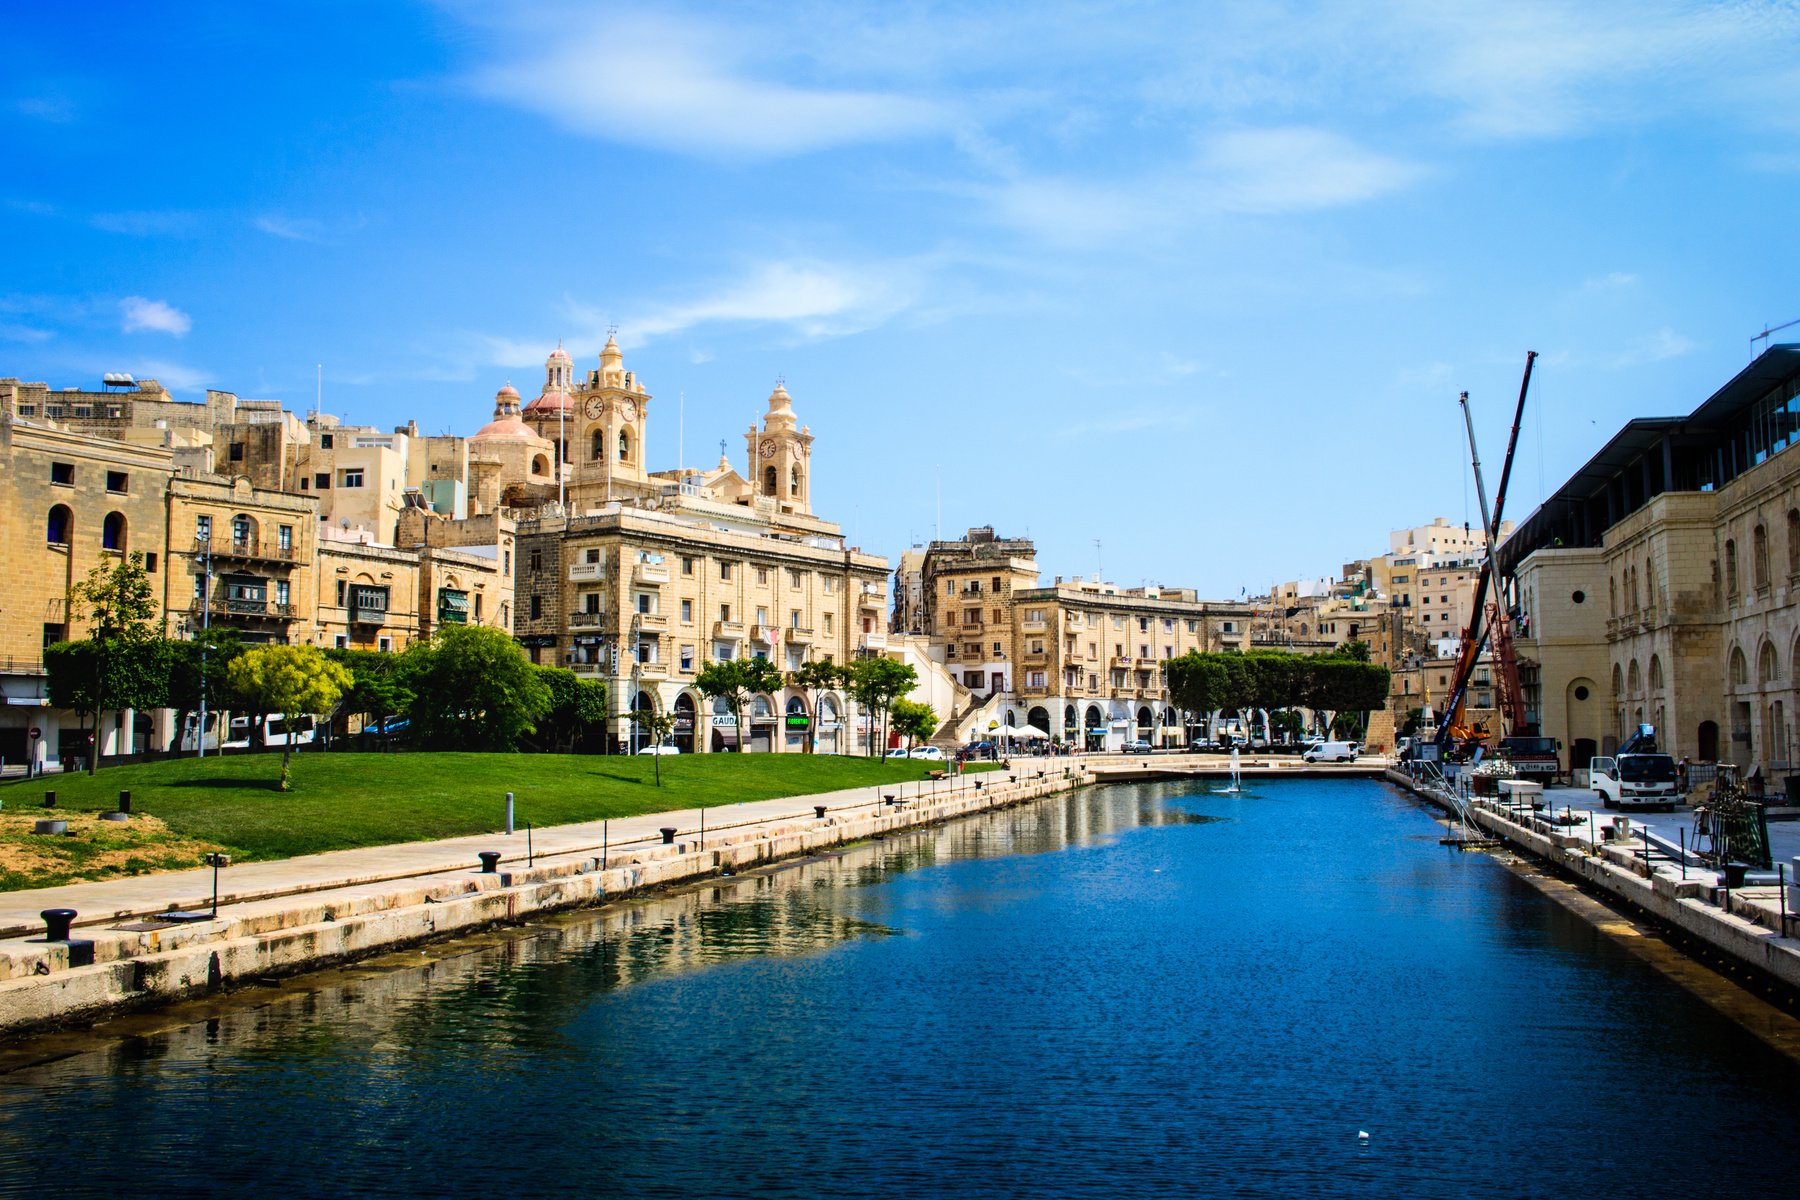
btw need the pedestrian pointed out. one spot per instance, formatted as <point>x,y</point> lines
<point>1681,775</point>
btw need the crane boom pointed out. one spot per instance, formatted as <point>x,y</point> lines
<point>1475,637</point>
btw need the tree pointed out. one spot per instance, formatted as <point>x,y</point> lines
<point>915,722</point>
<point>815,677</point>
<point>472,690</point>
<point>577,708</point>
<point>735,680</point>
<point>661,725</point>
<point>124,668</point>
<point>290,680</point>
<point>380,687</point>
<point>198,670</point>
<point>877,683</point>
<point>91,677</point>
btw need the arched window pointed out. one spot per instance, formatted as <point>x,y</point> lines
<point>1656,674</point>
<point>1635,679</point>
<point>540,465</point>
<point>793,481</point>
<point>1793,541</point>
<point>243,530</point>
<point>1740,670</point>
<point>1730,567</point>
<point>60,526</point>
<point>624,446</point>
<point>1766,668</point>
<point>1759,556</point>
<point>112,532</point>
<point>768,481</point>
<point>1618,680</point>
<point>599,448</point>
<point>1612,597</point>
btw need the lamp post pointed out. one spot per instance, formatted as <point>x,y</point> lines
<point>205,627</point>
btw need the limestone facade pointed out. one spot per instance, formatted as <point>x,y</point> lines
<point>1683,538</point>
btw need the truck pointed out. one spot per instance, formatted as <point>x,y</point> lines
<point>1533,758</point>
<point>1637,777</point>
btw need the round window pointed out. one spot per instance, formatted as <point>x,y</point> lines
<point>1581,693</point>
<point>1578,597</point>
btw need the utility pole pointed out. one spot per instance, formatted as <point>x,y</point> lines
<point>205,627</point>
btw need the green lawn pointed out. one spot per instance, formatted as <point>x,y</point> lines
<point>340,801</point>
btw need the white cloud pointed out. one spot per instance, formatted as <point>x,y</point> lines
<point>1246,171</point>
<point>815,299</point>
<point>23,333</point>
<point>293,229</point>
<point>146,224</point>
<point>686,88</point>
<point>1660,346</point>
<point>177,377</point>
<point>1612,279</point>
<point>1297,170</point>
<point>153,316</point>
<point>55,110</point>
<point>1431,376</point>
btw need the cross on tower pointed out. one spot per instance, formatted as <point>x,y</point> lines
<point>721,447</point>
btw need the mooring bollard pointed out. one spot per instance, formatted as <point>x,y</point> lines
<point>819,811</point>
<point>509,812</point>
<point>124,802</point>
<point>490,861</point>
<point>56,923</point>
<point>54,828</point>
<point>50,799</point>
<point>668,835</point>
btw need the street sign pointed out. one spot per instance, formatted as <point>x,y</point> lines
<point>36,732</point>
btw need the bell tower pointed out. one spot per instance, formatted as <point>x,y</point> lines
<point>611,417</point>
<point>781,456</point>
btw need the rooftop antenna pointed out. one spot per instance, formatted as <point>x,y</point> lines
<point>1767,330</point>
<point>937,524</point>
<point>680,435</point>
<point>1099,562</point>
<point>319,389</point>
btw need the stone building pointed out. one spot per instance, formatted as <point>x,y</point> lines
<point>643,576</point>
<point>1659,584</point>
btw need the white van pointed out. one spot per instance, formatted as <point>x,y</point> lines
<point>1330,752</point>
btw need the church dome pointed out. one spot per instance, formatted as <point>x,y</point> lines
<point>506,426</point>
<point>551,402</point>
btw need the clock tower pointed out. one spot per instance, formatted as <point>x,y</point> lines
<point>781,456</point>
<point>611,415</point>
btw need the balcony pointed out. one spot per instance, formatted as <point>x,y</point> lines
<point>728,629</point>
<point>587,572</point>
<point>801,634</point>
<point>368,616</point>
<point>648,621</point>
<point>650,670</point>
<point>589,670</point>
<point>587,620</point>
<point>246,550</point>
<point>650,572</point>
<point>1030,626</point>
<point>872,641</point>
<point>872,599</point>
<point>223,607</point>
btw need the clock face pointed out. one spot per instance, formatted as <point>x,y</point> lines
<point>628,410</point>
<point>595,406</point>
<point>768,448</point>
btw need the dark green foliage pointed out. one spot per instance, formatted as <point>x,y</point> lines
<point>472,690</point>
<point>877,683</point>
<point>735,681</point>
<point>1273,680</point>
<point>577,710</point>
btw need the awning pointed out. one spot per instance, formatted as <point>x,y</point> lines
<point>454,601</point>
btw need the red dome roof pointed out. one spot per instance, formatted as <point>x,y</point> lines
<point>550,402</point>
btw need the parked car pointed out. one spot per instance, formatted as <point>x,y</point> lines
<point>1330,752</point>
<point>1140,746</point>
<point>664,748</point>
<point>928,752</point>
<point>1628,781</point>
<point>897,752</point>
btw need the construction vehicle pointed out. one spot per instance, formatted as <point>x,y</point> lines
<point>1638,776</point>
<point>1457,737</point>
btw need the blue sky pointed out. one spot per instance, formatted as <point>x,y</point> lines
<point>1201,282</point>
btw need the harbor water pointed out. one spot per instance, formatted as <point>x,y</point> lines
<point>1149,990</point>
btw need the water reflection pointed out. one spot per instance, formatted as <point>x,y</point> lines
<point>1135,990</point>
